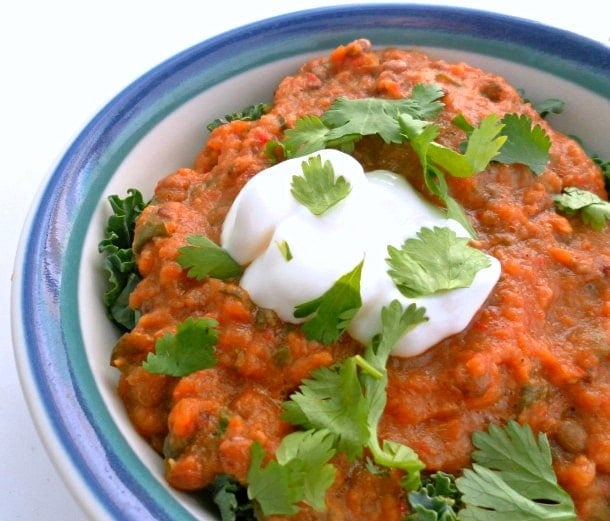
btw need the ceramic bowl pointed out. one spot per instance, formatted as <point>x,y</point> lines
<point>62,338</point>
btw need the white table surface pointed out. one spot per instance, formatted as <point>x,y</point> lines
<point>61,62</point>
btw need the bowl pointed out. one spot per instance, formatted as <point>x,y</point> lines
<point>155,125</point>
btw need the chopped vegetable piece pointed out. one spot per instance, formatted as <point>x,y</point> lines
<point>549,106</point>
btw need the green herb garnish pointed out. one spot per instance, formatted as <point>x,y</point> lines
<point>483,145</point>
<point>249,113</point>
<point>204,258</point>
<point>436,260</point>
<point>526,144</point>
<point>512,478</point>
<point>333,311</point>
<point>549,106</point>
<point>511,139</point>
<point>523,143</point>
<point>347,120</point>
<point>340,407</point>
<point>349,398</point>
<point>120,261</point>
<point>593,210</point>
<point>192,348</point>
<point>437,500</point>
<point>284,248</point>
<point>317,188</point>
<point>231,498</point>
<point>299,473</point>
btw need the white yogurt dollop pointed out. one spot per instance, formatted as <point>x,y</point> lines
<point>381,209</point>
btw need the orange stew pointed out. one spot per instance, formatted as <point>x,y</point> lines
<point>538,351</point>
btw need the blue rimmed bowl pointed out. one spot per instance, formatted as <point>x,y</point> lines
<point>62,338</point>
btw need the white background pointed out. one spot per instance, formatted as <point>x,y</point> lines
<point>61,61</point>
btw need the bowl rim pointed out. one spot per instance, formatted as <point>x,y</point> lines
<point>42,290</point>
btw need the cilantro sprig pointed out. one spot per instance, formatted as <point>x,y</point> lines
<point>593,210</point>
<point>348,120</point>
<point>349,398</point>
<point>204,258</point>
<point>317,188</point>
<point>436,160</point>
<point>332,312</point>
<point>340,408</point>
<point>435,260</point>
<point>190,349</point>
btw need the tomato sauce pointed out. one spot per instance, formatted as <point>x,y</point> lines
<point>538,351</point>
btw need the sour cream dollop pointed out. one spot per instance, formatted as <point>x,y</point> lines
<point>381,209</point>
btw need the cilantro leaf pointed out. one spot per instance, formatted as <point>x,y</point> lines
<point>436,260</point>
<point>317,188</point>
<point>525,144</point>
<point>512,478</point>
<point>119,258</point>
<point>322,402</point>
<point>333,310</point>
<point>594,211</point>
<point>187,351</point>
<point>425,102</point>
<point>300,473</point>
<point>204,258</point>
<point>309,135</point>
